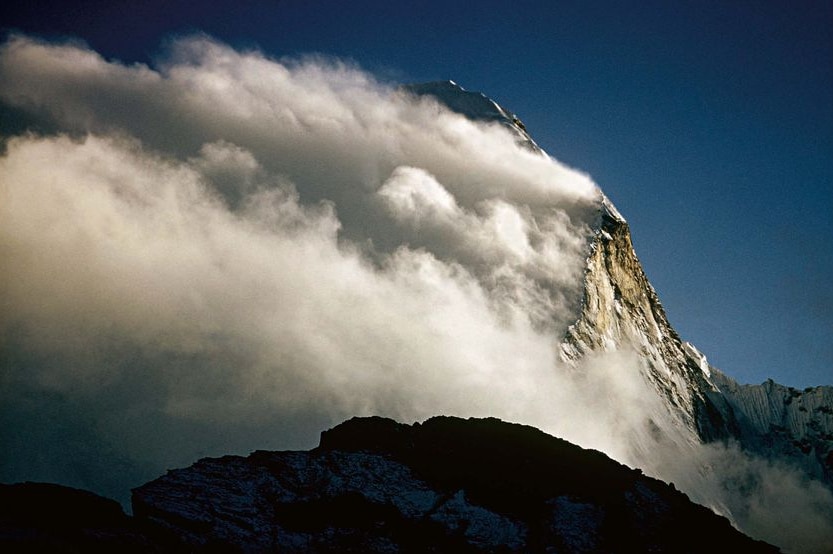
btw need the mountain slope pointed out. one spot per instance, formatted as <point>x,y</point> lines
<point>474,105</point>
<point>783,422</point>
<point>42,517</point>
<point>477,485</point>
<point>688,420</point>
<point>621,310</point>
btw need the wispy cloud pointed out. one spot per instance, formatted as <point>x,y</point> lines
<point>228,252</point>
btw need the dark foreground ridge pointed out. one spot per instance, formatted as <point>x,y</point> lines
<point>374,485</point>
<point>42,517</point>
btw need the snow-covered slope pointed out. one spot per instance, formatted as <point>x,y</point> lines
<point>784,423</point>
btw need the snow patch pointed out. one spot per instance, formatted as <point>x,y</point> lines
<point>692,351</point>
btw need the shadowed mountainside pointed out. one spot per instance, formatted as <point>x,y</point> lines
<point>448,484</point>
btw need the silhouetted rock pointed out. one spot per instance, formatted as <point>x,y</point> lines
<point>446,485</point>
<point>42,517</point>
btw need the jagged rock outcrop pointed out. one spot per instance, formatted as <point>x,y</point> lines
<point>447,485</point>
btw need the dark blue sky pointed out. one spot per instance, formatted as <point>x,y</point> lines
<point>709,124</point>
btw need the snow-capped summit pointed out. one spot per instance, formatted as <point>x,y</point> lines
<point>474,105</point>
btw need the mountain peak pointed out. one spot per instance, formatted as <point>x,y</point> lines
<point>473,105</point>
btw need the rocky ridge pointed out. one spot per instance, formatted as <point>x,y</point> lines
<point>448,484</point>
<point>42,517</point>
<point>374,485</point>
<point>621,308</point>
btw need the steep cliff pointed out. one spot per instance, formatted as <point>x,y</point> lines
<point>622,310</point>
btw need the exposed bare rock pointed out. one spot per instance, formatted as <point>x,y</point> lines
<point>621,309</point>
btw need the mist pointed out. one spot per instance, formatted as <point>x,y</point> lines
<point>228,252</point>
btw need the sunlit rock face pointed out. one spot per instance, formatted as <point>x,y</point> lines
<point>446,485</point>
<point>621,310</point>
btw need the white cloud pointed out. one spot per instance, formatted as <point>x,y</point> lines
<point>229,252</point>
<point>229,316</point>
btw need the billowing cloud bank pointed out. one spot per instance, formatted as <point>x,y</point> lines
<point>229,252</point>
<point>238,244</point>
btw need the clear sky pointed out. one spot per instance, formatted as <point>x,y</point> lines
<point>709,124</point>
